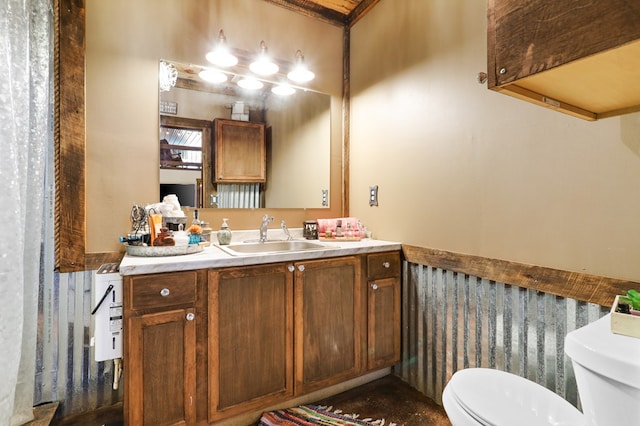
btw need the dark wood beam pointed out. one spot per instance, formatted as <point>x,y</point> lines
<point>69,135</point>
<point>573,285</point>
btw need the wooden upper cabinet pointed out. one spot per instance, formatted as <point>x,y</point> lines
<point>578,57</point>
<point>240,152</point>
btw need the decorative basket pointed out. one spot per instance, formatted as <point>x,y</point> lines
<point>157,251</point>
<point>624,324</point>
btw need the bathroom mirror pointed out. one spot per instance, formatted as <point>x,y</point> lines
<point>298,132</point>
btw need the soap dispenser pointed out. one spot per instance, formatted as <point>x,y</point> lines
<point>180,237</point>
<point>224,234</point>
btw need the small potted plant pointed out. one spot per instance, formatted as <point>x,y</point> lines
<point>625,314</point>
<point>632,302</point>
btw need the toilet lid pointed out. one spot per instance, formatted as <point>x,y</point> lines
<point>597,348</point>
<point>497,398</point>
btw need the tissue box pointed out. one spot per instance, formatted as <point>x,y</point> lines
<point>624,324</point>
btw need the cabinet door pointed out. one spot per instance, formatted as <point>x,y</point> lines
<point>240,154</point>
<point>160,365</point>
<point>383,329</point>
<point>250,338</point>
<point>328,320</point>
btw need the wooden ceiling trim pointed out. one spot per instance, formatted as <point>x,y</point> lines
<point>360,10</point>
<point>313,10</point>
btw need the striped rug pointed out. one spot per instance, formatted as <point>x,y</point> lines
<point>313,415</point>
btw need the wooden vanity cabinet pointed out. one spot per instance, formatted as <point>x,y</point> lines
<point>250,338</point>
<point>580,58</point>
<point>383,310</point>
<point>328,322</point>
<point>161,313</point>
<point>240,154</point>
<point>205,346</point>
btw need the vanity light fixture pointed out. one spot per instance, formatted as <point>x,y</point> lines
<point>300,73</point>
<point>167,76</point>
<point>263,65</point>
<point>283,90</point>
<point>212,75</point>
<point>250,83</point>
<point>221,54</point>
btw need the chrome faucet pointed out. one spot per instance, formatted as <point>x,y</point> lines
<point>286,230</point>
<point>266,220</point>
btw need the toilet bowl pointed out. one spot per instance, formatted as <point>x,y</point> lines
<point>607,370</point>
<point>483,396</point>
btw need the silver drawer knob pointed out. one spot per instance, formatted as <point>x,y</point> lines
<point>190,316</point>
<point>374,286</point>
<point>164,292</point>
<point>386,265</point>
<point>291,268</point>
<point>300,268</point>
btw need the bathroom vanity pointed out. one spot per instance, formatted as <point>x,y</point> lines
<point>211,336</point>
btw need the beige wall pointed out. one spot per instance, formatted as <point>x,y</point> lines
<point>125,40</point>
<point>465,169</point>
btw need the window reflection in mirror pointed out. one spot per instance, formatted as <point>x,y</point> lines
<point>181,164</point>
<point>298,138</point>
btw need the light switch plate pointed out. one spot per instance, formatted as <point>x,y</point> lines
<point>373,195</point>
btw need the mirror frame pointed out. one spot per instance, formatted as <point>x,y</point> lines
<point>70,135</point>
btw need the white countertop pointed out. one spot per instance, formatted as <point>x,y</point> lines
<point>214,257</point>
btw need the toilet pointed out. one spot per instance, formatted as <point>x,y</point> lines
<point>607,370</point>
<point>483,396</point>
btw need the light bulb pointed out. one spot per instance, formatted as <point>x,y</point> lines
<point>220,55</point>
<point>213,76</point>
<point>250,83</point>
<point>263,64</point>
<point>300,72</point>
<point>283,90</point>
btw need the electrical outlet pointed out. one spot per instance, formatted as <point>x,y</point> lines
<point>373,195</point>
<point>325,198</point>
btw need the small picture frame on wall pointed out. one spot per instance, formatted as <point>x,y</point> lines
<point>167,107</point>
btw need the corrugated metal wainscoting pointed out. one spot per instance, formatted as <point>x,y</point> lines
<point>453,321</point>
<point>65,367</point>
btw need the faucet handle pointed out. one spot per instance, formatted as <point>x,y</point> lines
<point>283,225</point>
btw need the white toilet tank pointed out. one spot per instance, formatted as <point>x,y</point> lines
<point>607,369</point>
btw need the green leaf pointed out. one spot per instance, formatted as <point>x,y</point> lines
<point>633,296</point>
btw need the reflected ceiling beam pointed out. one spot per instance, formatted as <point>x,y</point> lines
<point>342,13</point>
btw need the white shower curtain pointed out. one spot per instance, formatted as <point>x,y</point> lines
<point>25,135</point>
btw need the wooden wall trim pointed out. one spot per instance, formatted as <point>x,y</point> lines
<point>346,119</point>
<point>573,285</point>
<point>69,135</point>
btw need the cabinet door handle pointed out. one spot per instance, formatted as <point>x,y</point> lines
<point>291,268</point>
<point>386,264</point>
<point>191,316</point>
<point>374,286</point>
<point>165,292</point>
<point>300,268</point>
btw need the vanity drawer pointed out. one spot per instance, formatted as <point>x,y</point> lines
<point>161,290</point>
<point>383,265</point>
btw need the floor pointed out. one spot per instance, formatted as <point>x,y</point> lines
<point>391,399</point>
<point>388,398</point>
